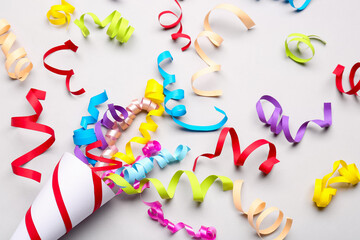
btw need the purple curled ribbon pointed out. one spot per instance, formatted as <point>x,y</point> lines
<point>280,123</point>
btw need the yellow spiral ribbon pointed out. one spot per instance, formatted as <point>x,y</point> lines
<point>60,14</point>
<point>323,192</point>
<point>119,26</point>
<point>7,41</point>
<point>199,190</point>
<point>154,92</point>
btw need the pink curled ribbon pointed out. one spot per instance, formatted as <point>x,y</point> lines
<point>156,213</point>
<point>280,123</point>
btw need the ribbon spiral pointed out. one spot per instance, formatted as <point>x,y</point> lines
<point>302,7</point>
<point>339,70</point>
<point>55,15</point>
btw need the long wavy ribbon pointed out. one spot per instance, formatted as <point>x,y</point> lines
<point>119,26</point>
<point>7,40</point>
<point>178,94</point>
<point>179,33</point>
<point>216,40</point>
<point>68,45</point>
<point>156,213</point>
<point>240,157</point>
<point>301,38</point>
<point>339,70</point>
<point>323,192</point>
<point>302,7</point>
<point>280,123</point>
<point>30,122</point>
<point>60,14</point>
<point>257,207</point>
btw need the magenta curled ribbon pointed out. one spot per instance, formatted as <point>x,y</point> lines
<point>280,123</point>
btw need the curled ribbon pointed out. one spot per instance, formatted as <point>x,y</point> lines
<point>216,40</point>
<point>178,94</point>
<point>240,157</point>
<point>302,7</point>
<point>339,70</point>
<point>179,33</point>
<point>30,122</point>
<point>7,40</point>
<point>257,207</point>
<point>55,15</point>
<point>301,38</point>
<point>119,26</point>
<point>68,45</point>
<point>323,192</point>
<point>280,123</point>
<point>156,213</point>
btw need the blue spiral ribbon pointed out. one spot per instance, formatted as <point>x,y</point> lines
<point>306,3</point>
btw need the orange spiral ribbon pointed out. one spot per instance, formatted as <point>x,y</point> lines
<point>23,65</point>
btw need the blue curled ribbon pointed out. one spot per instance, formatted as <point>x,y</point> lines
<point>139,169</point>
<point>178,94</point>
<point>306,3</point>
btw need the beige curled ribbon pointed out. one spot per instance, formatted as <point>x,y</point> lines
<point>6,42</point>
<point>216,40</point>
<point>257,207</point>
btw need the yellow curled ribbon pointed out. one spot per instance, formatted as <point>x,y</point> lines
<point>301,38</point>
<point>323,192</point>
<point>216,40</point>
<point>55,15</point>
<point>118,27</point>
<point>154,92</point>
<point>199,190</point>
<point>7,40</point>
<point>257,207</point>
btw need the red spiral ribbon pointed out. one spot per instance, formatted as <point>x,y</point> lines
<point>179,33</point>
<point>240,157</point>
<point>68,45</point>
<point>339,70</point>
<point>30,122</point>
<point>116,164</point>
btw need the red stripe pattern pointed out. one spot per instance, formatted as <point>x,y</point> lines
<point>30,226</point>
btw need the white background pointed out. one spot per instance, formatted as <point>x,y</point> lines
<point>254,64</point>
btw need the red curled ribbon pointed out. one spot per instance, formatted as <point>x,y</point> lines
<point>68,45</point>
<point>179,33</point>
<point>30,122</point>
<point>116,164</point>
<point>240,157</point>
<point>339,70</point>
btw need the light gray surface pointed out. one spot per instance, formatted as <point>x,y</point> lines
<point>254,64</point>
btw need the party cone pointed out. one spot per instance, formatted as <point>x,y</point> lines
<point>72,194</point>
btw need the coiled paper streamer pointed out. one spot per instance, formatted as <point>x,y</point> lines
<point>302,7</point>
<point>156,213</point>
<point>178,94</point>
<point>23,65</point>
<point>216,40</point>
<point>280,123</point>
<point>257,207</point>
<point>179,33</point>
<point>30,122</point>
<point>119,26</point>
<point>323,192</point>
<point>339,70</point>
<point>240,157</point>
<point>68,45</point>
<point>301,38</point>
<point>60,14</point>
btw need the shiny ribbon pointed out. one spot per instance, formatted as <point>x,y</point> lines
<point>55,15</point>
<point>30,122</point>
<point>216,40</point>
<point>179,33</point>
<point>339,70</point>
<point>323,192</point>
<point>7,40</point>
<point>302,7</point>
<point>301,38</point>
<point>68,45</point>
<point>280,123</point>
<point>156,213</point>
<point>240,157</point>
<point>119,26</point>
<point>257,207</point>
<point>178,94</point>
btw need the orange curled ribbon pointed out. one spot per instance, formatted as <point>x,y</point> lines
<point>257,207</point>
<point>55,15</point>
<point>7,40</point>
<point>216,40</point>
